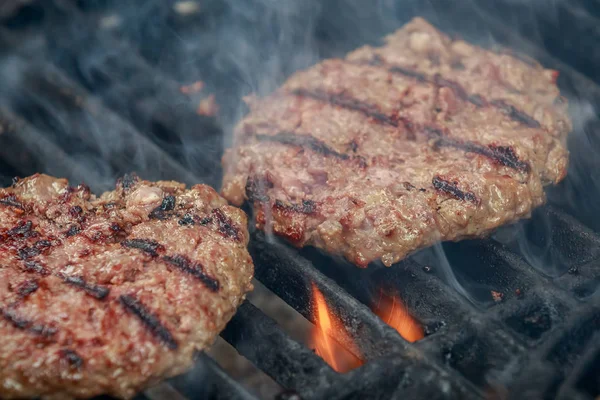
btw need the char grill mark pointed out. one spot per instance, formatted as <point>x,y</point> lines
<point>12,202</point>
<point>32,251</point>
<point>72,358</point>
<point>452,189</point>
<point>225,225</point>
<point>515,114</point>
<point>160,212</point>
<point>27,325</point>
<point>455,86</point>
<point>28,287</point>
<point>32,266</point>
<point>504,155</point>
<point>291,139</point>
<point>205,221</point>
<point>149,320</point>
<point>256,189</point>
<point>476,99</point>
<point>148,246</point>
<point>187,219</point>
<point>96,291</point>
<point>408,72</point>
<point>23,229</point>
<point>28,252</point>
<point>306,207</point>
<point>194,269</point>
<point>349,103</point>
<point>440,81</point>
<point>73,230</point>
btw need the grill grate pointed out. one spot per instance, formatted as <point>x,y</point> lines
<point>87,94</point>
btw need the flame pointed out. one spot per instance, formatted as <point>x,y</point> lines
<point>325,325</point>
<point>390,309</point>
<point>393,312</point>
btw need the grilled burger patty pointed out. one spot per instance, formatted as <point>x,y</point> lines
<point>394,148</point>
<point>109,295</point>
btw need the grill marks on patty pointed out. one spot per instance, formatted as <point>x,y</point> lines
<point>24,324</point>
<point>12,201</point>
<point>515,113</point>
<point>311,143</point>
<point>225,225</point>
<point>33,266</point>
<point>97,291</point>
<point>194,269</point>
<point>181,262</point>
<point>348,102</point>
<point>477,99</point>
<point>148,246</point>
<point>28,287</point>
<point>307,141</point>
<point>451,188</point>
<point>305,207</point>
<point>504,155</point>
<point>149,320</point>
<point>430,126</point>
<point>68,300</point>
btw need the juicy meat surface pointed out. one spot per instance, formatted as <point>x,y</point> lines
<point>395,148</point>
<point>109,295</point>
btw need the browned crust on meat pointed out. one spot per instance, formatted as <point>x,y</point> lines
<point>109,295</point>
<point>453,141</point>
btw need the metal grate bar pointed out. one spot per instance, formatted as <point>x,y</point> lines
<point>113,70</point>
<point>84,122</point>
<point>289,363</point>
<point>557,357</point>
<point>291,277</point>
<point>24,146</point>
<point>207,380</point>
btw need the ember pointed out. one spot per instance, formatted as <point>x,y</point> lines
<point>208,106</point>
<point>192,88</point>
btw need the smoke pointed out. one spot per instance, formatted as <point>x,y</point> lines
<point>262,43</point>
<point>578,194</point>
<point>435,257</point>
<point>242,47</point>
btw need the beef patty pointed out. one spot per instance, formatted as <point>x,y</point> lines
<point>395,148</point>
<point>109,295</point>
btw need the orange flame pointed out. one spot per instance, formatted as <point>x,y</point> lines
<point>393,312</point>
<point>340,359</point>
<point>390,309</point>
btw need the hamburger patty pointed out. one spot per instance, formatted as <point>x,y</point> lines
<point>395,148</point>
<point>109,295</point>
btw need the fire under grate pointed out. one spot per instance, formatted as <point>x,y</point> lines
<point>91,90</point>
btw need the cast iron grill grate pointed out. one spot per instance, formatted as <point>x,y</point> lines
<point>97,95</point>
